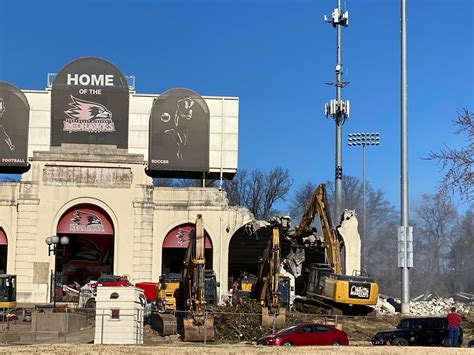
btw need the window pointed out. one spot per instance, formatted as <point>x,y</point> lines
<point>319,329</point>
<point>115,314</point>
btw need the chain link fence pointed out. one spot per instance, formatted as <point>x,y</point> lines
<point>78,325</point>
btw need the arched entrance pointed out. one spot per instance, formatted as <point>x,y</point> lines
<point>90,251</point>
<point>174,247</point>
<point>3,252</point>
<point>245,251</point>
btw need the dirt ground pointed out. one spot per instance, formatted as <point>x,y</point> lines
<point>235,349</point>
<point>359,330</point>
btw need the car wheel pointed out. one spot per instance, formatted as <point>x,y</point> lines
<point>336,343</point>
<point>286,343</point>
<point>400,342</point>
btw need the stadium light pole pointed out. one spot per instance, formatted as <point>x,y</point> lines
<point>363,139</point>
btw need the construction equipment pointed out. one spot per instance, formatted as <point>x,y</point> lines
<point>164,320</point>
<point>328,290</point>
<point>268,283</point>
<point>7,296</point>
<point>196,326</point>
<point>197,289</point>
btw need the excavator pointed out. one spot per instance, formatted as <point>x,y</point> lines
<point>328,289</point>
<point>267,286</point>
<point>189,296</point>
<point>7,296</point>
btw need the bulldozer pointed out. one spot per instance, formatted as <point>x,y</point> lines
<point>190,295</point>
<point>328,289</point>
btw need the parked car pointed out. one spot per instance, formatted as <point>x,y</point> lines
<point>306,334</point>
<point>416,331</point>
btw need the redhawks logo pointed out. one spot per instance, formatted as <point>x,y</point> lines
<point>85,222</point>
<point>88,116</point>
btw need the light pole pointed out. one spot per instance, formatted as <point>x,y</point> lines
<point>52,243</point>
<point>363,139</point>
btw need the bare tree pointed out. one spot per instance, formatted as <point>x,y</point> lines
<point>258,190</point>
<point>461,261</point>
<point>458,163</point>
<point>436,217</point>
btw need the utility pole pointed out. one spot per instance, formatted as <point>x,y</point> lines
<point>405,232</point>
<point>338,109</point>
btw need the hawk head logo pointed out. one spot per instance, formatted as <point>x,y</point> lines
<point>87,110</point>
<point>85,218</point>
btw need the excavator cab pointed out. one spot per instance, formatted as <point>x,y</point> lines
<point>7,294</point>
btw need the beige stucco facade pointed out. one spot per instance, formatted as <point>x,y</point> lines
<point>115,181</point>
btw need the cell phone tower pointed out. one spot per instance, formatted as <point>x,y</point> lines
<point>338,109</point>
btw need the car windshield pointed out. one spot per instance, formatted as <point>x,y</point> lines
<point>287,330</point>
<point>407,324</point>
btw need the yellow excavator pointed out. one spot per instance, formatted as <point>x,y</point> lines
<point>197,326</point>
<point>268,283</point>
<point>186,293</point>
<point>328,290</point>
<point>7,296</point>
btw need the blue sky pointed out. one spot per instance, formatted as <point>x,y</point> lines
<point>275,56</point>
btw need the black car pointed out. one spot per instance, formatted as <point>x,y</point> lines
<point>416,331</point>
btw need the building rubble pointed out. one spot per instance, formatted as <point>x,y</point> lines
<point>427,305</point>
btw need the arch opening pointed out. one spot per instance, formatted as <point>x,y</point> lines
<point>174,248</point>
<point>90,251</point>
<point>3,251</point>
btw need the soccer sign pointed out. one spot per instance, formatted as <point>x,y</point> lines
<point>179,135</point>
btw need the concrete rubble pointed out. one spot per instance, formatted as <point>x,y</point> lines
<point>436,306</point>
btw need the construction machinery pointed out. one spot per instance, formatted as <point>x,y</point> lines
<point>328,289</point>
<point>267,287</point>
<point>7,296</point>
<point>197,288</point>
<point>197,326</point>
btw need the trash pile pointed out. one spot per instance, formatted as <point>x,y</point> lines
<point>425,306</point>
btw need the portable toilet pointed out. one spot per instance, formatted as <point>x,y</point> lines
<point>119,315</point>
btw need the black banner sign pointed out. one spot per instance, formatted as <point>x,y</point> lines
<point>359,290</point>
<point>89,104</point>
<point>14,125</point>
<point>179,135</point>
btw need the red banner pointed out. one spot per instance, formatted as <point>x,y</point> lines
<point>179,237</point>
<point>85,219</point>
<point>3,237</point>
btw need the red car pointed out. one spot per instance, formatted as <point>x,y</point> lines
<point>306,334</point>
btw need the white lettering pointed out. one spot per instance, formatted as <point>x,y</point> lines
<point>12,160</point>
<point>72,79</point>
<point>93,79</point>
<point>359,291</point>
<point>109,80</point>
<point>160,161</point>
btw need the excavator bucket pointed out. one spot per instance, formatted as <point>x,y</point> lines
<point>164,323</point>
<point>193,332</point>
<point>276,321</point>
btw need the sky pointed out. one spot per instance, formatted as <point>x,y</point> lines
<point>275,55</point>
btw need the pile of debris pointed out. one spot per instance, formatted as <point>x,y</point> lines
<point>238,322</point>
<point>424,306</point>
